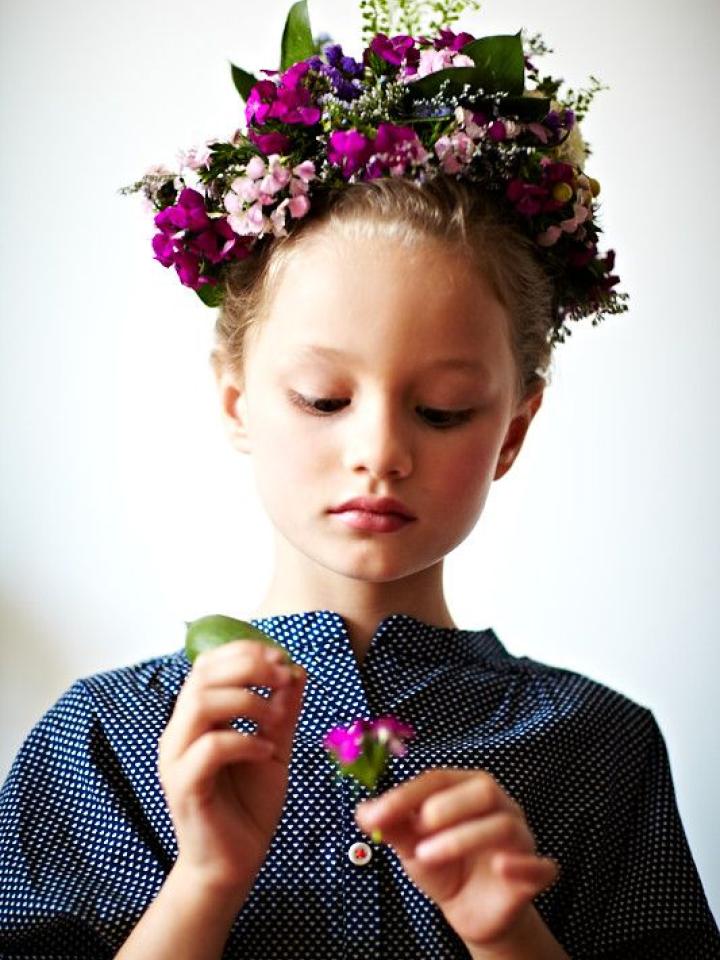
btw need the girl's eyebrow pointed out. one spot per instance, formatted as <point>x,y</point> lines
<point>452,363</point>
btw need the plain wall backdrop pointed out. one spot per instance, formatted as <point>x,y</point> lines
<point>124,509</point>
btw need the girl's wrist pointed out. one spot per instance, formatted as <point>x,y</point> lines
<point>530,939</point>
<point>205,889</point>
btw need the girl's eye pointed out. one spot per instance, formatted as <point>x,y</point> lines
<point>440,419</point>
<point>450,418</point>
<point>319,406</point>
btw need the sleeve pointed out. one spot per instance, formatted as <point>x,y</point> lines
<point>63,838</point>
<point>656,908</point>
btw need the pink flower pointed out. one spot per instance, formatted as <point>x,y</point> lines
<point>433,60</point>
<point>361,750</point>
<point>196,157</point>
<point>455,152</point>
<point>549,237</point>
<point>298,206</point>
<point>305,171</point>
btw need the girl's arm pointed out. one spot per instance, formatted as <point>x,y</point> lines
<point>188,920</point>
<point>531,941</point>
<point>225,792</point>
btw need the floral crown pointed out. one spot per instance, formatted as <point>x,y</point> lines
<point>413,106</point>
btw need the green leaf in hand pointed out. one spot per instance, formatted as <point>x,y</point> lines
<point>212,631</point>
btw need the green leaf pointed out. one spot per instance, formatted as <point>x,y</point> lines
<point>427,87</point>
<point>297,38</point>
<point>210,295</point>
<point>244,81</point>
<point>500,62</point>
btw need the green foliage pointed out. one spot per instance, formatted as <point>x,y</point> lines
<point>580,101</point>
<point>211,295</point>
<point>244,81</point>
<point>414,17</point>
<point>297,39</point>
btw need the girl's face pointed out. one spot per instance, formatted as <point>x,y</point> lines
<point>377,371</point>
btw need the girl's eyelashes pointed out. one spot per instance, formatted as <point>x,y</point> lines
<point>323,407</point>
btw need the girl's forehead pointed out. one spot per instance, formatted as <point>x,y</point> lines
<point>365,279</point>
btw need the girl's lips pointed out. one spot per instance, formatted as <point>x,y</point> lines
<point>372,522</point>
<point>378,505</point>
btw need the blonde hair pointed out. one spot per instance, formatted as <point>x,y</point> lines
<point>442,209</point>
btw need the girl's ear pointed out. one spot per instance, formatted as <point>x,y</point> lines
<point>517,430</point>
<point>233,403</point>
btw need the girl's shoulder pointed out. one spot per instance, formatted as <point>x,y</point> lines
<point>561,698</point>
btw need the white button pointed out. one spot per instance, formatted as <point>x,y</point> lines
<point>360,854</point>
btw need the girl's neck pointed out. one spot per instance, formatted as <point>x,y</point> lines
<point>361,604</point>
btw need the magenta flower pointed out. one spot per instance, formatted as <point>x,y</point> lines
<point>361,750</point>
<point>395,149</point>
<point>261,98</point>
<point>396,50</point>
<point>349,150</point>
<point>288,101</point>
<point>189,240</point>
<point>188,213</point>
<point>527,197</point>
<point>270,142</point>
<point>452,41</point>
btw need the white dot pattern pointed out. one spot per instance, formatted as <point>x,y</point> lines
<point>86,839</point>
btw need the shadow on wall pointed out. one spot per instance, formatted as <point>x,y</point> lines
<point>33,673</point>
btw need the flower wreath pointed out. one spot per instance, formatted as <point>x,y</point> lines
<point>412,106</point>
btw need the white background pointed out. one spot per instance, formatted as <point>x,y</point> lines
<point>125,510</point>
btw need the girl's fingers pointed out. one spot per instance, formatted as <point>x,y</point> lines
<point>526,867</point>
<point>194,774</point>
<point>203,709</point>
<point>403,800</point>
<point>236,664</point>
<point>284,733</point>
<point>462,801</point>
<point>494,830</point>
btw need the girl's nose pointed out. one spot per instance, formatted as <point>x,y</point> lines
<point>377,440</point>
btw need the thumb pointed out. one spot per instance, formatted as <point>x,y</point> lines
<point>286,734</point>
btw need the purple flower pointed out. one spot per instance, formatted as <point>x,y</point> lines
<point>336,58</point>
<point>189,238</point>
<point>270,143</point>
<point>396,50</point>
<point>346,743</point>
<point>261,98</point>
<point>395,149</point>
<point>289,101</point>
<point>527,197</point>
<point>362,749</point>
<point>452,41</point>
<point>558,172</point>
<point>497,131</point>
<point>188,213</point>
<point>164,247</point>
<point>349,150</point>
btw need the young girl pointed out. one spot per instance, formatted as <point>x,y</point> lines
<point>381,362</point>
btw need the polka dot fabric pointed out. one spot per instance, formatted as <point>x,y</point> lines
<point>87,840</point>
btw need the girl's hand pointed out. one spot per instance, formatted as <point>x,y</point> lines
<point>467,845</point>
<point>226,789</point>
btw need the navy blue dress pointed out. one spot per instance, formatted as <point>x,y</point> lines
<point>87,840</point>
